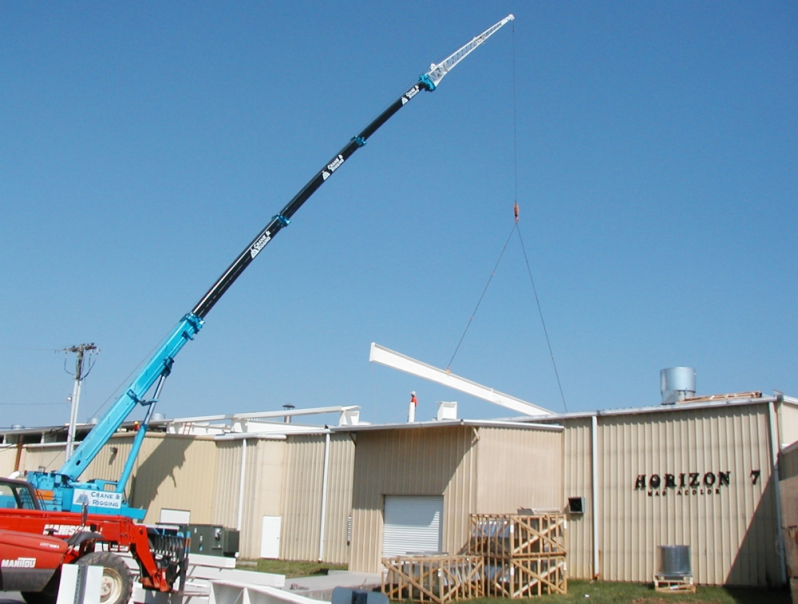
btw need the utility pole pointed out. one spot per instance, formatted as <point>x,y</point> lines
<point>80,374</point>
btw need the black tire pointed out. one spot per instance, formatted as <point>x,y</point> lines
<point>48,595</point>
<point>117,583</point>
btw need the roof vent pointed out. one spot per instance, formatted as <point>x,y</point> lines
<point>676,384</point>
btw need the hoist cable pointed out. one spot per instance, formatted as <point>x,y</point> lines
<point>542,321</point>
<point>480,298</point>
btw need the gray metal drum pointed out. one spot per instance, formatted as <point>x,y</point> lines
<point>674,560</point>
<point>676,384</point>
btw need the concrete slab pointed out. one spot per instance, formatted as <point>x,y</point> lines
<point>321,587</point>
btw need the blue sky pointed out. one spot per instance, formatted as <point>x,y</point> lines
<point>142,146</point>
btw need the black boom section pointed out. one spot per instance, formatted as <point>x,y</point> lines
<point>281,220</point>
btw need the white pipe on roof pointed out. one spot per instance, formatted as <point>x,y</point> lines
<point>241,483</point>
<point>324,494</point>
<point>594,490</point>
<point>774,458</point>
<point>385,356</point>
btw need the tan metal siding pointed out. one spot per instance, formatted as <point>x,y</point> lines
<point>518,469</point>
<point>788,464</point>
<point>49,457</point>
<point>788,424</point>
<point>173,472</point>
<point>299,539</point>
<point>339,498</point>
<point>228,479</point>
<point>262,491</point>
<point>731,534</point>
<point>578,482</point>
<point>8,457</point>
<point>434,461</point>
<point>170,472</point>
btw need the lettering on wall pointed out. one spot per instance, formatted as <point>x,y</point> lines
<point>688,483</point>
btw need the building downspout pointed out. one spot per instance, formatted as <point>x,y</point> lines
<point>594,490</point>
<point>241,483</point>
<point>324,494</point>
<point>774,452</point>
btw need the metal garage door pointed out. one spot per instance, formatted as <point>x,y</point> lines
<point>411,524</point>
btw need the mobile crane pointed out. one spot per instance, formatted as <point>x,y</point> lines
<point>61,490</point>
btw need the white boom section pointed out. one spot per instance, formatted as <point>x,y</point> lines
<point>437,71</point>
<point>384,356</point>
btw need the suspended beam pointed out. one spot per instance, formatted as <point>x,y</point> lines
<point>389,358</point>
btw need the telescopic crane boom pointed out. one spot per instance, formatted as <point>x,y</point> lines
<point>106,496</point>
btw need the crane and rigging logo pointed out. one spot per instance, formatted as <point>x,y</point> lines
<point>332,167</point>
<point>260,244</point>
<point>410,94</point>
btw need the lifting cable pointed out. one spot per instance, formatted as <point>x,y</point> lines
<point>517,229</point>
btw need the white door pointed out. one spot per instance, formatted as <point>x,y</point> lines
<point>270,537</point>
<point>411,525</point>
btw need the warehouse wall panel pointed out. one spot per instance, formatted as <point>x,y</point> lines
<point>304,473</point>
<point>339,498</point>
<point>578,482</point>
<point>519,469</point>
<point>227,480</point>
<point>8,457</point>
<point>429,461</point>
<point>263,491</point>
<point>689,477</point>
<point>788,423</point>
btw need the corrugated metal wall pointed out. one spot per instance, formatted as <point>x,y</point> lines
<point>304,477</point>
<point>788,423</point>
<point>170,472</point>
<point>8,457</point>
<point>339,498</point>
<point>578,482</point>
<point>226,483</point>
<point>429,461</point>
<point>519,469</point>
<point>262,493</point>
<point>731,528</point>
<point>49,457</point>
<point>788,463</point>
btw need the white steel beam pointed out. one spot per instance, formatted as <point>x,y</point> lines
<point>384,356</point>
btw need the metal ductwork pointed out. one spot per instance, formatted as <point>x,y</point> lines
<point>676,384</point>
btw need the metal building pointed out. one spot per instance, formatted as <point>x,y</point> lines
<point>415,484</point>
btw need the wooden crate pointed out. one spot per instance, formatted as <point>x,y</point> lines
<point>526,577</point>
<point>435,579</point>
<point>670,584</point>
<point>507,536</point>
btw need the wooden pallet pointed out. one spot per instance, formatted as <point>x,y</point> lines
<point>671,584</point>
<point>526,577</point>
<point>433,579</point>
<point>508,536</point>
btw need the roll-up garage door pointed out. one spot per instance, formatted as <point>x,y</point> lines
<point>411,524</point>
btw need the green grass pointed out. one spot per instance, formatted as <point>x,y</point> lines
<point>290,568</point>
<point>600,592</point>
<point>584,592</point>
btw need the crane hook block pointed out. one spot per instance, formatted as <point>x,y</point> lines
<point>426,82</point>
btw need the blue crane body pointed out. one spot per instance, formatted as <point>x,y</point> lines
<point>61,490</point>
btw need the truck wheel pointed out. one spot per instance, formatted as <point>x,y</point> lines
<point>117,584</point>
<point>48,595</point>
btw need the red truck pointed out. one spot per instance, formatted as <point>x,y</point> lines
<point>35,543</point>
